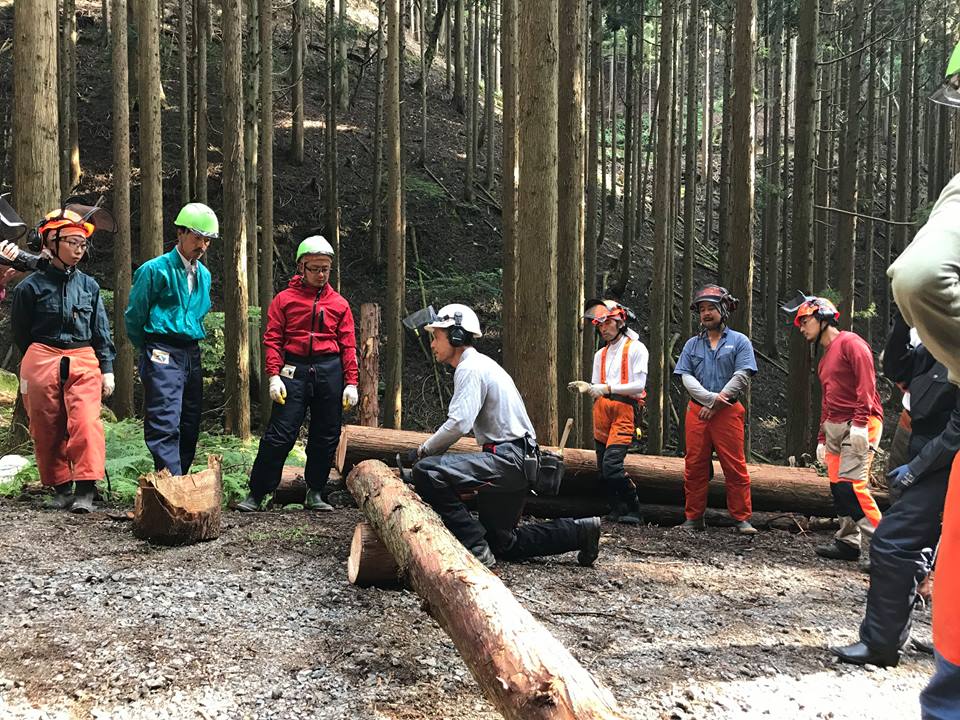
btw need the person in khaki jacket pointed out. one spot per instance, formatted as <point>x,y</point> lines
<point>851,422</point>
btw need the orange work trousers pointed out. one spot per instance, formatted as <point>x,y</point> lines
<point>613,422</point>
<point>61,392</point>
<point>946,587</point>
<point>722,433</point>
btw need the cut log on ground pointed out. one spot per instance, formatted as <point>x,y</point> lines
<point>658,479</point>
<point>521,668</point>
<point>292,489</point>
<point>179,509</point>
<point>370,563</point>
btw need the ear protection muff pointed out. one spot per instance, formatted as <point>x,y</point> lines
<point>456,333</point>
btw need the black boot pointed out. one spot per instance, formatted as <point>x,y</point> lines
<point>837,551</point>
<point>588,536</point>
<point>618,509</point>
<point>250,504</point>
<point>632,515</point>
<point>62,497</point>
<point>85,494</point>
<point>481,551</point>
<point>860,654</point>
<point>315,501</point>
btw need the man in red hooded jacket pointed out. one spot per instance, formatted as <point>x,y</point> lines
<point>311,359</point>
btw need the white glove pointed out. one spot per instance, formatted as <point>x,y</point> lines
<point>278,391</point>
<point>821,453</point>
<point>859,440</point>
<point>9,250</point>
<point>350,396</point>
<point>108,384</point>
<point>579,386</point>
<point>598,390</point>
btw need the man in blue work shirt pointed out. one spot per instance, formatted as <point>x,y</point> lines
<point>716,366</point>
<point>168,301</point>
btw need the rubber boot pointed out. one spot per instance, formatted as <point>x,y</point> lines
<point>250,504</point>
<point>618,509</point>
<point>588,537</point>
<point>83,500</point>
<point>632,514</point>
<point>315,501</point>
<point>62,497</point>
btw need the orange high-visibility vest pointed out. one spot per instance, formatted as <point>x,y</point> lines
<point>624,367</point>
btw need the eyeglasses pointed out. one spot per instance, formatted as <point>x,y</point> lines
<point>321,270</point>
<point>79,244</point>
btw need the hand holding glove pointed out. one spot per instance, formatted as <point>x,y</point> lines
<point>598,390</point>
<point>859,440</point>
<point>108,384</point>
<point>278,391</point>
<point>350,397</point>
<point>821,453</point>
<point>900,478</point>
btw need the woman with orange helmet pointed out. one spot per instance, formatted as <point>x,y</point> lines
<point>61,327</point>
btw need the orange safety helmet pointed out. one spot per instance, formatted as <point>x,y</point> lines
<point>806,305</point>
<point>59,219</point>
<point>611,308</point>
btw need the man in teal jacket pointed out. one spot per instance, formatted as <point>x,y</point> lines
<point>168,301</point>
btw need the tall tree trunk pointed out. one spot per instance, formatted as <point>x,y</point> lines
<point>915,114</point>
<point>774,192</point>
<point>537,32</point>
<point>471,124</point>
<point>447,43</point>
<point>888,230</point>
<point>845,251</point>
<point>201,20</point>
<point>708,80</point>
<point>612,198</point>
<point>785,164</point>
<point>185,126</point>
<point>905,93</point>
<point>297,12</point>
<point>602,193</point>
<point>69,127</point>
<point>265,278</point>
<point>440,27</point>
<point>151,160</point>
<point>459,97</point>
<point>570,207</point>
<point>824,156</point>
<point>690,163</point>
<point>489,85</point>
<point>122,251</point>
<point>332,190</point>
<point>236,356</point>
<point>661,286</point>
<point>626,236</point>
<point>723,241</point>
<point>396,267</point>
<point>343,67</point>
<point>508,184</point>
<point>423,95</point>
<point>251,97</point>
<point>595,70</point>
<point>376,229</point>
<point>798,391</point>
<point>868,181</point>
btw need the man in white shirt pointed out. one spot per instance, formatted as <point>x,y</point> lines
<point>617,388</point>
<point>485,400</point>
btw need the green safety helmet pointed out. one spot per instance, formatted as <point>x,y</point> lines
<point>200,219</point>
<point>949,92</point>
<point>314,245</point>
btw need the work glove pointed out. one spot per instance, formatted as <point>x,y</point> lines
<point>579,386</point>
<point>821,453</point>
<point>411,457</point>
<point>598,390</point>
<point>900,478</point>
<point>278,391</point>
<point>859,441</point>
<point>350,396</point>
<point>108,384</point>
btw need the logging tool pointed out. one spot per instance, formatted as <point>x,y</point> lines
<point>565,436</point>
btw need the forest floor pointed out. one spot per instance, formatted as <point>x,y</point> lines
<point>262,623</point>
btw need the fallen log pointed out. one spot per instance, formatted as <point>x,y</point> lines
<point>179,509</point>
<point>521,668</point>
<point>370,564</point>
<point>292,489</point>
<point>659,479</point>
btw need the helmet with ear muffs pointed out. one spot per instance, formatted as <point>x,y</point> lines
<point>717,295</point>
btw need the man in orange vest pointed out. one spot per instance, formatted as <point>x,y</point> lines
<point>716,366</point>
<point>617,388</point>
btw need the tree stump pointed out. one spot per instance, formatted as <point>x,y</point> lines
<point>179,509</point>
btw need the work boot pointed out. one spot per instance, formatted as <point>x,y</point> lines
<point>315,501</point>
<point>481,551</point>
<point>83,500</point>
<point>745,528</point>
<point>694,524</point>
<point>250,504</point>
<point>837,551</point>
<point>617,510</point>
<point>588,537</point>
<point>62,497</point>
<point>860,654</point>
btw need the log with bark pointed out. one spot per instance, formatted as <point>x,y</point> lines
<point>179,509</point>
<point>292,489</point>
<point>521,668</point>
<point>370,563</point>
<point>659,479</point>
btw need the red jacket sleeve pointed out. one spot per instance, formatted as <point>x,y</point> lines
<point>347,339</point>
<point>273,337</point>
<point>861,360</point>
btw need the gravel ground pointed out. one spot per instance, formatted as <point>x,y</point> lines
<point>262,623</point>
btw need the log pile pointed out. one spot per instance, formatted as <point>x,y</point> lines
<point>179,509</point>
<point>521,668</point>
<point>658,479</point>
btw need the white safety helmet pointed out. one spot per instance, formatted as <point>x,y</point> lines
<point>457,316</point>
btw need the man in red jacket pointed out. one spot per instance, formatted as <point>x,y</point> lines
<point>851,422</point>
<point>311,359</point>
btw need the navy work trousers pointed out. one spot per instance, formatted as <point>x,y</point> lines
<point>172,399</point>
<point>497,478</point>
<point>901,554</point>
<point>317,385</point>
